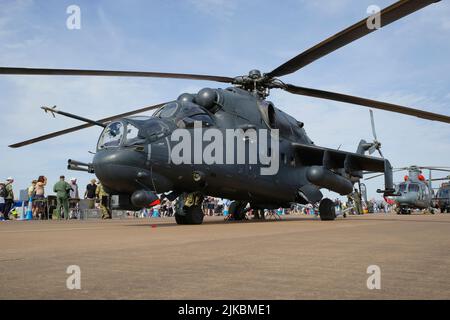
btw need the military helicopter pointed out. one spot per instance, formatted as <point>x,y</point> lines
<point>415,192</point>
<point>442,199</point>
<point>133,158</point>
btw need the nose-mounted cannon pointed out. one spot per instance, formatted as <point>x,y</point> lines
<point>80,166</point>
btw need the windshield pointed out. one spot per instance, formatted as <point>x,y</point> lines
<point>402,187</point>
<point>112,135</point>
<point>413,187</point>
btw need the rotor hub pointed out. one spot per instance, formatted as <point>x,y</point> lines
<point>257,83</point>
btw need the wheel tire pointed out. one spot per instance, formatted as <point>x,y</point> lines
<point>327,211</point>
<point>179,219</point>
<point>194,215</point>
<point>236,210</point>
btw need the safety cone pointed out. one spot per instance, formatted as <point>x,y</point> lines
<point>29,213</point>
<point>22,212</point>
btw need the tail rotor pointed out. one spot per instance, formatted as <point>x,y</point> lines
<point>376,145</point>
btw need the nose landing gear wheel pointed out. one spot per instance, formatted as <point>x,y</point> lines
<point>327,210</point>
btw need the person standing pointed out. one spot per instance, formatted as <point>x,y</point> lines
<point>74,189</point>
<point>9,198</point>
<point>2,198</point>
<point>32,189</point>
<point>90,193</point>
<point>104,205</point>
<point>62,189</point>
<point>358,202</point>
<point>31,195</point>
<point>39,200</point>
<point>74,199</point>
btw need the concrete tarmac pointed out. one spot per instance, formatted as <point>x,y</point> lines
<point>296,258</point>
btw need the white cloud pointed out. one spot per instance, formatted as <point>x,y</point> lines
<point>215,8</point>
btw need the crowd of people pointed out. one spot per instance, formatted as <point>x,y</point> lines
<point>68,198</point>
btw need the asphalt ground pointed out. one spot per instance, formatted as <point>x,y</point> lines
<point>296,258</point>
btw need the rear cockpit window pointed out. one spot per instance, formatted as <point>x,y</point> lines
<point>167,110</point>
<point>188,122</point>
<point>132,135</point>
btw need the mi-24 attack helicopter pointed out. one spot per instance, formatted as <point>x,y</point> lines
<point>133,158</point>
<point>416,191</point>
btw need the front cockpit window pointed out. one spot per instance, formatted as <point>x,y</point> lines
<point>413,187</point>
<point>112,135</point>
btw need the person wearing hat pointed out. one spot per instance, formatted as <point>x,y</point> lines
<point>74,199</point>
<point>62,189</point>
<point>9,198</point>
<point>90,193</point>
<point>74,192</point>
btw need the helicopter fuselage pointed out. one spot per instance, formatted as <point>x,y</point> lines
<point>236,146</point>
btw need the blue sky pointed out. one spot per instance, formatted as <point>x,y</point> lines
<point>405,63</point>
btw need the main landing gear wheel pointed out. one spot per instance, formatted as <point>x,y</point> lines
<point>327,210</point>
<point>237,210</point>
<point>193,215</point>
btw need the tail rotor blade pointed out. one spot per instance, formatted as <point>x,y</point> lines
<point>372,121</point>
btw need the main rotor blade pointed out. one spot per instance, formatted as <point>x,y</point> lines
<point>440,179</point>
<point>108,73</point>
<point>435,168</point>
<point>390,14</point>
<point>375,176</point>
<point>366,102</point>
<point>83,126</point>
<point>443,170</point>
<point>380,174</point>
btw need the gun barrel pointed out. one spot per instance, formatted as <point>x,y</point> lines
<point>79,166</point>
<point>77,163</point>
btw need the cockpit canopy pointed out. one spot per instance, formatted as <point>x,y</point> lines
<point>184,114</point>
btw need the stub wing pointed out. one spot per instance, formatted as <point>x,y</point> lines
<point>344,163</point>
